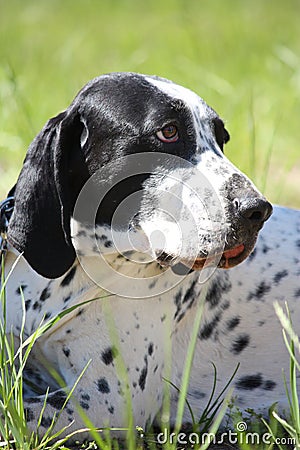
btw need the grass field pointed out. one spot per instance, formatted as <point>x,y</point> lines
<point>241,56</point>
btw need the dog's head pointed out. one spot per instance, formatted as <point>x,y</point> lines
<point>155,151</point>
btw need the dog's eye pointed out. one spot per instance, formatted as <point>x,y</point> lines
<point>169,133</point>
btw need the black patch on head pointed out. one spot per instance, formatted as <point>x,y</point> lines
<point>261,290</point>
<point>240,343</point>
<point>280,275</point>
<point>69,277</point>
<point>221,134</point>
<point>45,294</point>
<point>250,382</point>
<point>21,289</point>
<point>108,355</point>
<point>103,386</point>
<point>232,323</point>
<point>217,288</point>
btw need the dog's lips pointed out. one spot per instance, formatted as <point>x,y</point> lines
<point>229,258</point>
<point>234,252</point>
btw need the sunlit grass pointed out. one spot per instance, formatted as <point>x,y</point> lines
<point>242,57</point>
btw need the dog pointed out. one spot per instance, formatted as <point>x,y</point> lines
<point>125,211</point>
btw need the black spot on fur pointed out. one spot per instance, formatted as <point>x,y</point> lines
<point>180,317</point>
<point>232,323</point>
<point>265,249</point>
<point>45,294</point>
<point>111,409</point>
<point>208,328</point>
<point>85,397</point>
<point>103,386</point>
<point>27,304</point>
<point>21,289</point>
<point>280,275</point>
<point>47,315</point>
<point>150,348</point>
<point>297,293</point>
<point>81,233</point>
<point>66,299</point>
<point>250,382</point>
<point>269,385</point>
<point>108,244</point>
<point>66,351</point>
<point>252,255</point>
<point>29,414</point>
<point>57,399</point>
<point>68,278</point>
<point>217,288</point>
<point>260,291</point>
<point>37,306</point>
<point>240,343</point>
<point>84,405</point>
<point>198,395</point>
<point>177,301</point>
<point>46,422</point>
<point>190,292</point>
<point>108,355</point>
<point>143,375</point>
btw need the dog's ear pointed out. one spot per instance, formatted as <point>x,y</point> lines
<point>40,224</point>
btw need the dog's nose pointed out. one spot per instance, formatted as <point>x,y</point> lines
<point>255,210</point>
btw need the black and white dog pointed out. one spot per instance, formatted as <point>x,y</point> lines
<point>128,192</point>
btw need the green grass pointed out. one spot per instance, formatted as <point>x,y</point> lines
<point>242,56</point>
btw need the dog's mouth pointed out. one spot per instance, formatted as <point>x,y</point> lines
<point>229,258</point>
<point>226,260</point>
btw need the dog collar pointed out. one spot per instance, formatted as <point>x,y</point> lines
<point>6,210</point>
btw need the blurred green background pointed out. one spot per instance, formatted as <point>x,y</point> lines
<point>241,56</point>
